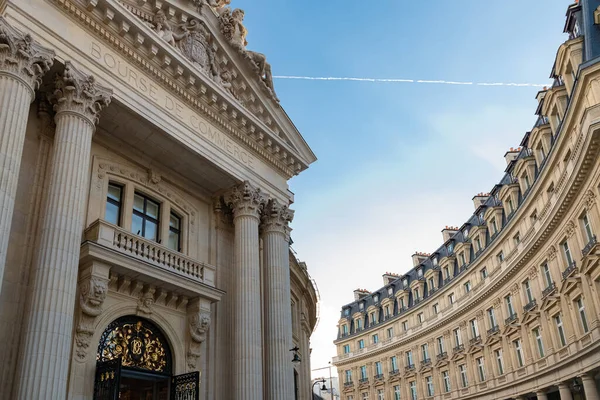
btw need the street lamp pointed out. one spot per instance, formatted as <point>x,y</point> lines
<point>322,387</point>
<point>296,359</point>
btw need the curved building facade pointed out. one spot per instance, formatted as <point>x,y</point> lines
<point>509,306</point>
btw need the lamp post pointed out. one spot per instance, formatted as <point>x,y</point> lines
<point>316,382</point>
<point>330,380</point>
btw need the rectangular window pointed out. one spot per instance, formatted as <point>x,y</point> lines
<point>397,392</point>
<point>463,375</point>
<point>175,232</point>
<point>446,273</point>
<point>509,203</point>
<point>484,273</point>
<point>346,348</point>
<point>457,338</point>
<point>567,252</point>
<point>113,204</point>
<point>402,305</point>
<point>446,379</point>
<point>509,306</point>
<point>361,344</point>
<point>478,243</point>
<point>380,394</point>
<point>587,227</point>
<point>144,220</point>
<point>518,352</point>
<point>413,390</point>
<point>492,317</point>
<point>582,316</point>
<point>436,308</point>
<point>363,372</point>
<point>409,359</point>
<point>467,286</point>
<point>365,396</point>
<point>527,183</point>
<point>546,274</point>
<point>474,328</point>
<point>417,295</point>
<point>420,318</point>
<point>431,285</point>
<point>390,332</point>
<point>462,258</point>
<point>560,329</point>
<point>344,330</point>
<point>429,382</point>
<point>481,369</point>
<point>528,292</point>
<point>405,326</point>
<point>500,257</point>
<point>348,375</point>
<point>451,298</point>
<point>375,338</point>
<point>394,363</point>
<point>499,361</point>
<point>440,345</point>
<point>387,311</point>
<point>538,340</point>
<point>425,351</point>
<point>378,369</point>
<point>373,318</point>
<point>358,324</point>
<point>494,226</point>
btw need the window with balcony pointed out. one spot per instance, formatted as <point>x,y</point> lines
<point>546,274</point>
<point>413,390</point>
<point>587,227</point>
<point>528,291</point>
<point>467,286</point>
<point>378,369</point>
<point>348,376</point>
<point>537,335</point>
<point>346,349</point>
<point>394,363</point>
<point>518,352</point>
<point>567,252</point>
<point>409,359</point>
<point>440,345</point>
<point>480,369</point>
<point>582,316</point>
<point>114,204</point>
<point>429,384</point>
<point>144,221</point>
<point>560,330</point>
<point>510,310</point>
<point>499,361</point>
<point>492,317</point>
<point>464,380</point>
<point>174,242</point>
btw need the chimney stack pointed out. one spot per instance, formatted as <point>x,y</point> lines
<point>419,257</point>
<point>360,294</point>
<point>512,155</point>
<point>389,277</point>
<point>448,232</point>
<point>479,199</point>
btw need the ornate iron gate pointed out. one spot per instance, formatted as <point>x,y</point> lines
<point>108,376</point>
<point>186,386</point>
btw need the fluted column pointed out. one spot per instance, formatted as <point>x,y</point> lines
<point>277,302</point>
<point>247,203</point>
<point>590,387</point>
<point>565,392</point>
<point>23,62</point>
<point>77,102</point>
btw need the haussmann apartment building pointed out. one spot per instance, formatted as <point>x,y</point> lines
<point>509,306</point>
<point>144,207</point>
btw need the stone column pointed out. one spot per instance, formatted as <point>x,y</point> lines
<point>541,395</point>
<point>49,331</point>
<point>590,388</point>
<point>277,302</point>
<point>23,62</point>
<point>247,203</point>
<point>565,392</point>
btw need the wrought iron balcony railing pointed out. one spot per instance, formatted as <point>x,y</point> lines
<point>570,270</point>
<point>348,384</point>
<point>363,380</point>
<point>549,289</point>
<point>426,361</point>
<point>379,377</point>
<point>459,348</point>
<point>511,318</point>
<point>409,367</point>
<point>589,246</point>
<point>394,372</point>
<point>493,330</point>
<point>475,340</point>
<point>530,306</point>
<point>442,356</point>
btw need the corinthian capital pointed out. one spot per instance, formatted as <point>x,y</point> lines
<point>21,56</point>
<point>76,92</point>
<point>276,217</point>
<point>245,199</point>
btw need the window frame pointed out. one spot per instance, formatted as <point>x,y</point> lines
<point>118,204</point>
<point>143,215</point>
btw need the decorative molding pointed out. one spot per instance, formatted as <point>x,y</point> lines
<point>245,199</point>
<point>76,92</point>
<point>22,57</point>
<point>569,229</point>
<point>198,314</point>
<point>551,253</point>
<point>589,199</point>
<point>276,218</point>
<point>146,301</point>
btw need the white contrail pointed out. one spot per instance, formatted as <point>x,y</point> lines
<point>439,82</point>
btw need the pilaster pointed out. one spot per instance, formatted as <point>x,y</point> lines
<point>23,63</point>
<point>277,299</point>
<point>48,335</point>
<point>247,203</point>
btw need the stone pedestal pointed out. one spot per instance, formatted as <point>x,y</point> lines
<point>49,329</point>
<point>247,203</point>
<point>22,65</point>
<point>279,372</point>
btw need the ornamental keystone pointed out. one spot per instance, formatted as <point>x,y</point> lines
<point>20,55</point>
<point>245,199</point>
<point>79,93</point>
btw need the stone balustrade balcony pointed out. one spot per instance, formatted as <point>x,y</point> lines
<point>146,261</point>
<point>475,340</point>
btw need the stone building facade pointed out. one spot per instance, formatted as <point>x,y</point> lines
<point>144,207</point>
<point>509,306</point>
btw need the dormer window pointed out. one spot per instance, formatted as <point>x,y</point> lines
<point>417,294</point>
<point>390,291</point>
<point>435,261</point>
<point>420,272</point>
<point>346,311</point>
<point>510,206</point>
<point>461,256</point>
<point>431,284</point>
<point>405,282</point>
<point>376,298</point>
<point>527,182</point>
<point>361,306</point>
<point>494,225</point>
<point>450,248</point>
<point>481,220</point>
<point>446,273</point>
<point>478,243</point>
<point>466,233</point>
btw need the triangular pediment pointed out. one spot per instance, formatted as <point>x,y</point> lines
<point>194,50</point>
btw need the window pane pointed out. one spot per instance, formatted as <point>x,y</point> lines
<point>151,230</point>
<point>136,224</point>
<point>151,209</point>
<point>174,221</point>
<point>112,213</point>
<point>173,241</point>
<point>114,192</point>
<point>138,203</point>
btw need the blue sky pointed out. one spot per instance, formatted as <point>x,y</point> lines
<point>397,161</point>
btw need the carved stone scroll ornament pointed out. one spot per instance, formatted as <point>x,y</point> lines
<point>245,199</point>
<point>569,229</point>
<point>551,253</point>
<point>590,199</point>
<point>92,293</point>
<point>79,93</point>
<point>22,56</point>
<point>199,323</point>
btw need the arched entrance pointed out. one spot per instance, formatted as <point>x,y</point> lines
<point>134,362</point>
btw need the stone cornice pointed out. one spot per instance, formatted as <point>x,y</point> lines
<point>116,26</point>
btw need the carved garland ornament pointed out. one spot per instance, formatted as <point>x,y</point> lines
<point>22,56</point>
